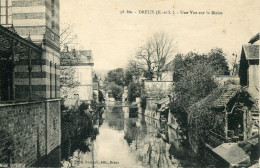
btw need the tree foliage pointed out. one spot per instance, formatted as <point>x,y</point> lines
<point>67,34</point>
<point>68,72</point>
<point>217,59</point>
<point>153,56</point>
<point>192,75</point>
<point>116,91</point>
<point>132,72</point>
<point>134,90</point>
<point>116,76</point>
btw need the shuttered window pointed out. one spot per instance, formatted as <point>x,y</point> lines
<point>5,12</point>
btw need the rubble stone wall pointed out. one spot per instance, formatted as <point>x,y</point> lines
<point>28,131</point>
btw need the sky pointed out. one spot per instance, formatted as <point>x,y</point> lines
<point>114,37</point>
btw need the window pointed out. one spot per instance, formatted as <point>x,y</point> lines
<point>52,25</point>
<point>6,78</point>
<point>52,3</point>
<point>52,8</point>
<point>5,12</point>
<point>52,12</point>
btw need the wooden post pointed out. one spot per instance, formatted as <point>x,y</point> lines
<point>8,87</point>
<point>6,11</point>
<point>50,80</point>
<point>13,71</point>
<point>226,123</point>
<point>55,73</point>
<point>30,70</point>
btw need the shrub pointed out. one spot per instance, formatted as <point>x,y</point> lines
<point>116,91</point>
<point>134,90</point>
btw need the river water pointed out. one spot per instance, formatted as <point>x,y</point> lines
<point>125,138</point>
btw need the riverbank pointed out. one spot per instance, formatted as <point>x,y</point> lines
<point>77,124</point>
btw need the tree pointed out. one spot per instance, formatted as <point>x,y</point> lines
<point>217,59</point>
<point>116,91</point>
<point>67,59</point>
<point>234,64</point>
<point>132,72</point>
<point>192,75</point>
<point>67,35</point>
<point>152,57</point>
<point>116,76</point>
<point>134,90</point>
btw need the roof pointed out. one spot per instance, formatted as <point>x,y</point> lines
<point>95,78</point>
<point>255,38</point>
<point>73,57</point>
<point>225,97</point>
<point>251,52</point>
<point>232,153</point>
<point>163,101</point>
<point>10,33</point>
<point>86,53</point>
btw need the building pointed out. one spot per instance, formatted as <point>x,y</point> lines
<point>38,20</point>
<point>96,87</point>
<point>249,66</point>
<point>81,63</point>
<point>30,61</point>
<point>234,137</point>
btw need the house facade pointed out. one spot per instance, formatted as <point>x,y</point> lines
<point>81,63</point>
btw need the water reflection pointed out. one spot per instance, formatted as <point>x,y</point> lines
<point>126,138</point>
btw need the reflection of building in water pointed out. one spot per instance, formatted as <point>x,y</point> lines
<point>148,139</point>
<point>149,146</point>
<point>115,118</point>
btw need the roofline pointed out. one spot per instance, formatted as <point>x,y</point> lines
<point>254,38</point>
<point>19,38</point>
<point>245,51</point>
<point>78,64</point>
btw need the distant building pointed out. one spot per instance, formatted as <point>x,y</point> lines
<point>249,66</point>
<point>82,62</point>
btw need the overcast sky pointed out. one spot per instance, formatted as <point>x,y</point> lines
<point>114,37</point>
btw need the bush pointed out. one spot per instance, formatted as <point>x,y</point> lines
<point>116,91</point>
<point>134,90</point>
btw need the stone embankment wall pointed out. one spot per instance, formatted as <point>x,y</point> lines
<point>28,131</point>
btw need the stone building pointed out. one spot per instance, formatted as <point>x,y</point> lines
<point>29,57</point>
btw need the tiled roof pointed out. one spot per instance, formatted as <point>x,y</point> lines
<point>163,101</point>
<point>251,52</point>
<point>225,97</point>
<point>232,153</point>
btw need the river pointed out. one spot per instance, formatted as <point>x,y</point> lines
<point>125,138</point>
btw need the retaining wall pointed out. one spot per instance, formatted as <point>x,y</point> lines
<point>28,131</point>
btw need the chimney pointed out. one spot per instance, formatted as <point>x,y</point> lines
<point>65,48</point>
